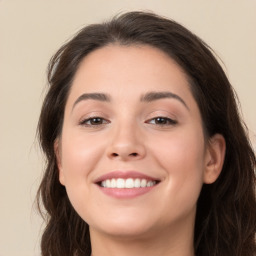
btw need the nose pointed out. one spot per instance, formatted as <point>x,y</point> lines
<point>126,145</point>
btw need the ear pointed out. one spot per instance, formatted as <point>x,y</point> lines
<point>215,156</point>
<point>57,151</point>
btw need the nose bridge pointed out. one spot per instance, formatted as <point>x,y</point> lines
<point>126,141</point>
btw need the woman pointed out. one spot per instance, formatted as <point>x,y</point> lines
<point>146,152</point>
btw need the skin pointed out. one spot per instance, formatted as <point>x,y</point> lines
<point>128,137</point>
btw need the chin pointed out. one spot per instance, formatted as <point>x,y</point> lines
<point>124,227</point>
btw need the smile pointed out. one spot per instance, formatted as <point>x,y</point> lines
<point>127,183</point>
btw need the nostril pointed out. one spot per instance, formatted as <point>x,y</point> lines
<point>124,155</point>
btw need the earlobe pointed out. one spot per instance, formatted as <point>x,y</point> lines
<point>58,159</point>
<point>214,158</point>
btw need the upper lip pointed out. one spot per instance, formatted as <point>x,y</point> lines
<point>124,175</point>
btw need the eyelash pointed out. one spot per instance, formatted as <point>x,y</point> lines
<point>94,119</point>
<point>164,121</point>
<point>99,121</point>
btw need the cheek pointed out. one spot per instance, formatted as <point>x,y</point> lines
<point>182,158</point>
<point>184,148</point>
<point>80,155</point>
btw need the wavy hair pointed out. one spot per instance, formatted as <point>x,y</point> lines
<point>226,210</point>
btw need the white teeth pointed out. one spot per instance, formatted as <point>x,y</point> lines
<point>112,183</point>
<point>127,183</point>
<point>137,183</point>
<point>120,183</point>
<point>103,183</point>
<point>108,183</point>
<point>150,184</point>
<point>143,183</point>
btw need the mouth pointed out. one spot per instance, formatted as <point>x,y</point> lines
<point>126,184</point>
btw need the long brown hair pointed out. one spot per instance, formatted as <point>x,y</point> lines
<point>226,210</point>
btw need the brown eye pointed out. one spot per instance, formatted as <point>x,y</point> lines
<point>162,121</point>
<point>94,121</point>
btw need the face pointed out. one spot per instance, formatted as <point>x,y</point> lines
<point>132,154</point>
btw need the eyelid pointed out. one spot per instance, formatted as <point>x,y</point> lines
<point>162,113</point>
<point>170,120</point>
<point>92,115</point>
<point>170,117</point>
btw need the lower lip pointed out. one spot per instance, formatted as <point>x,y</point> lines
<point>126,193</point>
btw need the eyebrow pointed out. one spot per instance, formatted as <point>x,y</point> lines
<point>152,96</point>
<point>92,96</point>
<point>148,97</point>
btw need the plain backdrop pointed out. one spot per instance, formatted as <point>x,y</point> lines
<point>30,33</point>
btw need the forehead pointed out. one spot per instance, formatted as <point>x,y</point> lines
<point>129,71</point>
<point>140,58</point>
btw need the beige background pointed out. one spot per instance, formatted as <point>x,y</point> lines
<point>31,31</point>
